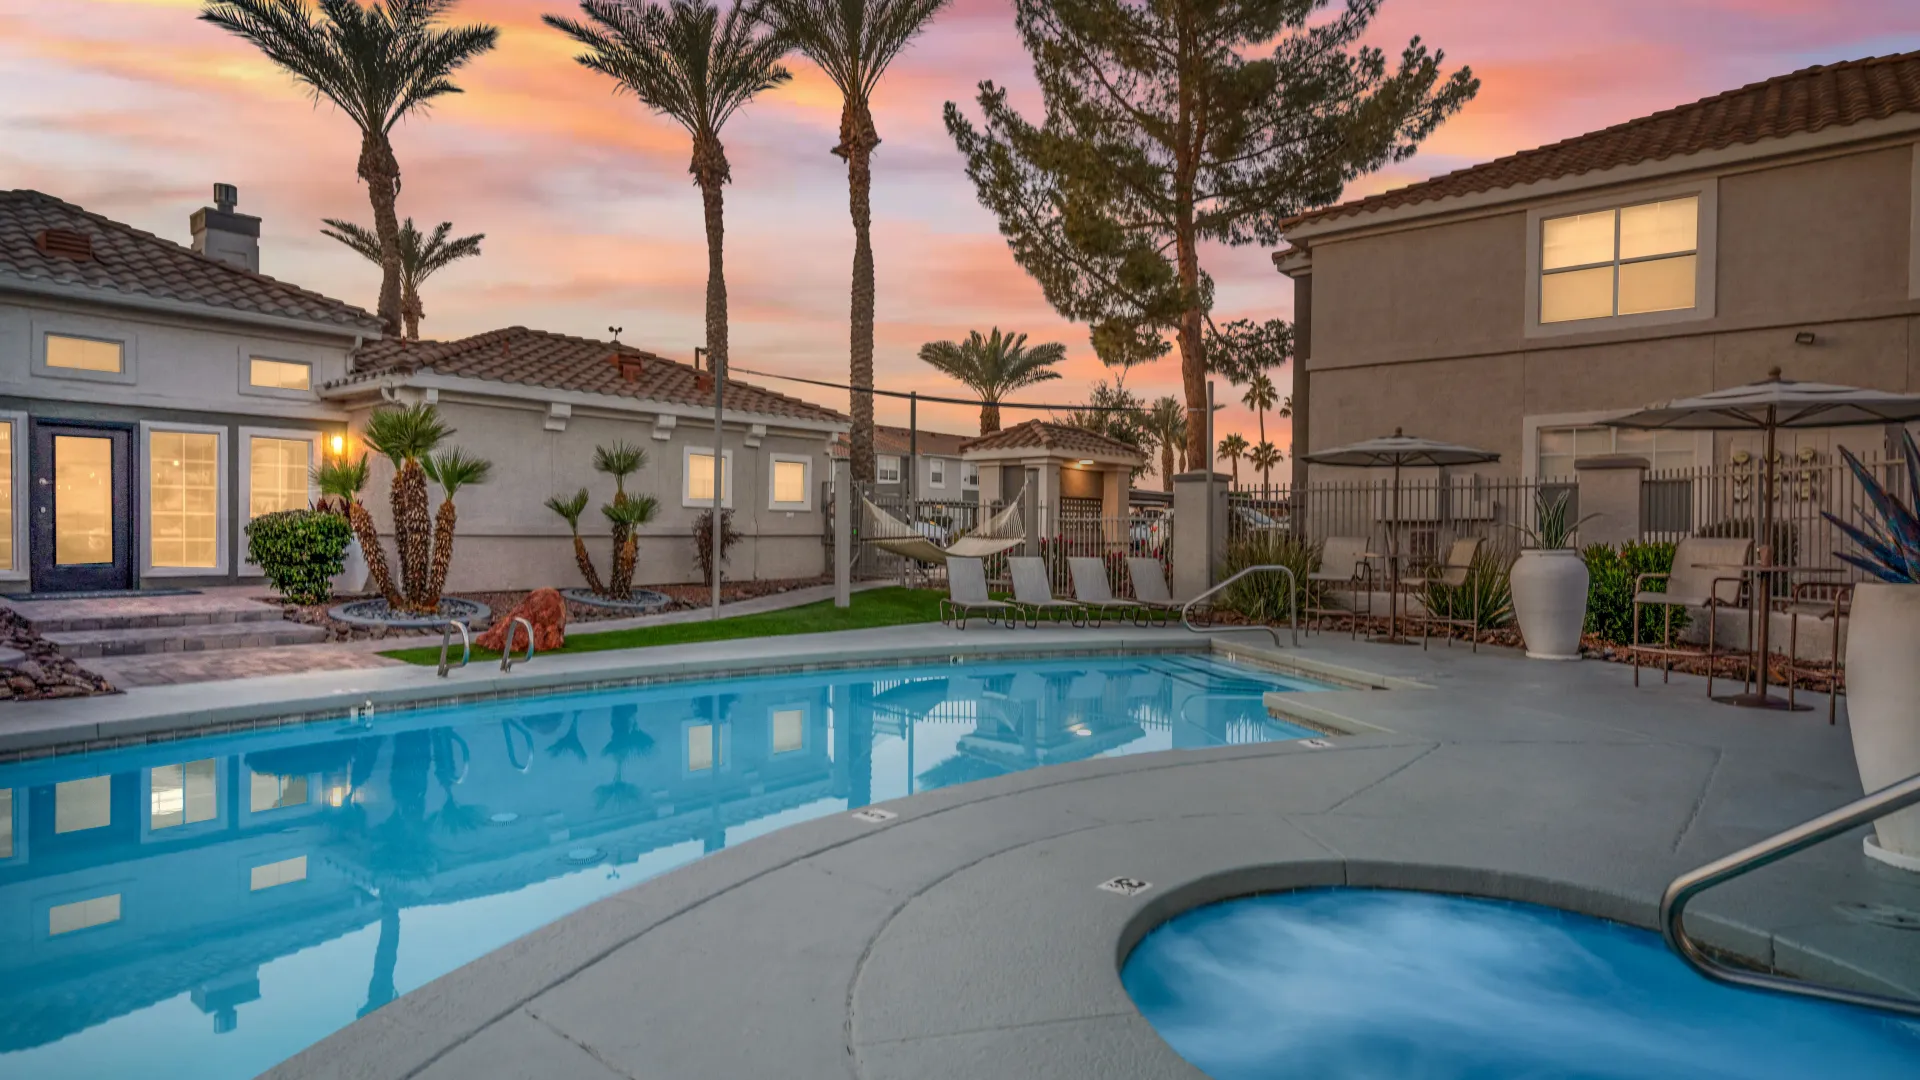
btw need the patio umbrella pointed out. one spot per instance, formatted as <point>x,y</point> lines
<point>1396,451</point>
<point>1767,406</point>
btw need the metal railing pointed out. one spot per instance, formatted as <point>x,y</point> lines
<point>1434,510</point>
<point>446,639</point>
<point>1673,904</point>
<point>506,647</point>
<point>1293,603</point>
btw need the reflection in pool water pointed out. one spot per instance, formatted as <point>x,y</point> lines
<point>207,907</point>
<point>1342,984</point>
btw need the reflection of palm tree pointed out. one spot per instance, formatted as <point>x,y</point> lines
<point>402,849</point>
<point>386,955</point>
<point>570,742</point>
<point>624,740</point>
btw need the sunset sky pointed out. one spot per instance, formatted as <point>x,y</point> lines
<point>133,109</point>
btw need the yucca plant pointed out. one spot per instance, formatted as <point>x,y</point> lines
<point>1555,524</point>
<point>620,460</point>
<point>340,482</point>
<point>1263,597</point>
<point>407,436</point>
<point>1890,546</point>
<point>627,514</point>
<point>452,469</point>
<point>703,542</point>
<point>570,508</point>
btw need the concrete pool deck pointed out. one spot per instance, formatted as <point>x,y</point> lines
<point>967,935</point>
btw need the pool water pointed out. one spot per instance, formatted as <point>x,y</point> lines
<point>1349,983</point>
<point>208,907</point>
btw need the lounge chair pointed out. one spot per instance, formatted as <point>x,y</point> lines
<point>1821,601</point>
<point>1091,589</point>
<point>1035,596</point>
<point>1690,585</point>
<point>967,594</point>
<point>1455,572</point>
<point>1345,564</point>
<point>1150,586</point>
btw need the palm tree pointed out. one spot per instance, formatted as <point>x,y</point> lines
<point>1264,457</point>
<point>420,258</point>
<point>683,60</point>
<point>993,367</point>
<point>853,42</point>
<point>570,508</point>
<point>452,469</point>
<point>621,460</point>
<point>342,481</point>
<point>407,436</point>
<point>1233,448</point>
<point>1167,423</point>
<point>1260,397</point>
<point>626,516</point>
<point>377,64</point>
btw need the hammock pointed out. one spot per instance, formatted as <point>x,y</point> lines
<point>1001,532</point>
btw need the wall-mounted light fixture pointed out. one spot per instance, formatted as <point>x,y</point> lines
<point>1804,337</point>
<point>339,445</point>
<point>1084,462</point>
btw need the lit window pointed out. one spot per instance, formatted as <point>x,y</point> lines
<point>6,823</point>
<point>699,478</point>
<point>6,494</point>
<point>936,472</point>
<point>280,375</point>
<point>887,469</point>
<point>99,911</point>
<point>82,500</point>
<point>789,482</point>
<point>1561,447</point>
<point>183,485</point>
<point>82,804</point>
<point>284,872</point>
<point>271,792</point>
<point>702,753</point>
<point>789,730</point>
<point>85,354</point>
<point>277,475</point>
<point>970,474</point>
<point>1625,261</point>
<point>182,794</point>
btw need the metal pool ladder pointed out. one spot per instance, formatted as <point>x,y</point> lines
<point>506,647</point>
<point>446,638</point>
<point>1293,603</point>
<point>1673,904</point>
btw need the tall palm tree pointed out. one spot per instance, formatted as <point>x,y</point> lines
<point>1260,397</point>
<point>853,42</point>
<point>1167,423</point>
<point>377,63</point>
<point>1233,448</point>
<point>452,469</point>
<point>683,60</point>
<point>420,258</point>
<point>993,367</point>
<point>1265,457</point>
<point>570,507</point>
<point>408,436</point>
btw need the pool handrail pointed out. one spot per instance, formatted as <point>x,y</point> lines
<point>1673,904</point>
<point>506,647</point>
<point>1293,602</point>
<point>446,639</point>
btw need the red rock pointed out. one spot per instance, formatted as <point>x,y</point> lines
<point>545,610</point>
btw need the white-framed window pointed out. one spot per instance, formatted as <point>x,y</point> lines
<point>283,872</point>
<point>97,356</point>
<point>1602,264</point>
<point>969,474</point>
<point>294,377</point>
<point>77,347</point>
<point>704,752</point>
<point>186,503</point>
<point>82,804</point>
<point>886,469</point>
<point>789,482</point>
<point>787,729</point>
<point>13,495</point>
<point>183,794</point>
<point>1560,447</point>
<point>271,791</point>
<point>83,914</point>
<point>276,470</point>
<point>696,473</point>
<point>937,472</point>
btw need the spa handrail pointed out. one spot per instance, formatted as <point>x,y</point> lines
<point>446,639</point>
<point>1293,602</point>
<point>506,647</point>
<point>1673,904</point>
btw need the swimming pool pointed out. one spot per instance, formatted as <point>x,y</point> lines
<point>1349,983</point>
<point>206,908</point>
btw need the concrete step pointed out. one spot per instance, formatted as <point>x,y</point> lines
<point>63,616</point>
<point>146,640</point>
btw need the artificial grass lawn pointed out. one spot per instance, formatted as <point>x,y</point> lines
<point>891,606</point>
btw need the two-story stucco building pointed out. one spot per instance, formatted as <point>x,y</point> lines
<point>1516,304</point>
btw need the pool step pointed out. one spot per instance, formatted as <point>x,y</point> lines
<point>143,612</point>
<point>147,640</point>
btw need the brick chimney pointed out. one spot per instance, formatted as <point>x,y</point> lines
<point>220,233</point>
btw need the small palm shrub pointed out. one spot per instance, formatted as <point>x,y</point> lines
<point>300,551</point>
<point>1611,573</point>
<point>340,482</point>
<point>626,514</point>
<point>570,508</point>
<point>452,469</point>
<point>1489,581</point>
<point>1263,597</point>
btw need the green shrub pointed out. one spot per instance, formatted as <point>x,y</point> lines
<point>300,551</point>
<point>1611,573</point>
<point>1263,597</point>
<point>1490,579</point>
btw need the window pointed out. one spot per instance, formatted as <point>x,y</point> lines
<point>936,472</point>
<point>86,354</point>
<point>182,794</point>
<point>697,487</point>
<point>82,804</point>
<point>277,474</point>
<point>970,474</point>
<point>1628,260</point>
<point>83,500</point>
<point>791,482</point>
<point>1560,447</point>
<point>81,914</point>
<point>702,752</point>
<point>284,872</point>
<point>6,497</point>
<point>271,792</point>
<point>887,469</point>
<point>789,730</point>
<point>279,375</point>
<point>183,487</point>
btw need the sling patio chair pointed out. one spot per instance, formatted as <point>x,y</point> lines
<point>1822,601</point>
<point>1690,584</point>
<point>1035,596</point>
<point>1150,586</point>
<point>1345,565</point>
<point>1095,593</point>
<point>1454,573</point>
<point>967,594</point>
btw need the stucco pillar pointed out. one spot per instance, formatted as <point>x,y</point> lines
<point>1610,497</point>
<point>842,533</point>
<point>1193,563</point>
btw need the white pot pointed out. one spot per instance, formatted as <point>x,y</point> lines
<point>1550,602</point>
<point>352,577</point>
<point>1883,706</point>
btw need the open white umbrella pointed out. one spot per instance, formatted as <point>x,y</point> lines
<point>1767,406</point>
<point>1397,451</point>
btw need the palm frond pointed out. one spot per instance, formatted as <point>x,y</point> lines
<point>638,510</point>
<point>338,478</point>
<point>406,433</point>
<point>455,468</point>
<point>569,507</point>
<point>994,365</point>
<point>851,41</point>
<point>619,460</point>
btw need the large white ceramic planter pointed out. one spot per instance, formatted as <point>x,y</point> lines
<point>1550,602</point>
<point>1883,707</point>
<point>352,577</point>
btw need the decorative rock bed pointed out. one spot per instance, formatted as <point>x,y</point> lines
<point>642,602</point>
<point>32,668</point>
<point>374,612</point>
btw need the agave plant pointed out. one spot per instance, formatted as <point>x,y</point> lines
<point>1556,525</point>
<point>570,508</point>
<point>408,436</point>
<point>452,469</point>
<point>340,482</point>
<point>1890,546</point>
<point>627,515</point>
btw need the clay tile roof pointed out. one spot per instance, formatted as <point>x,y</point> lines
<point>557,361</point>
<point>40,242</point>
<point>1804,101</point>
<point>1039,434</point>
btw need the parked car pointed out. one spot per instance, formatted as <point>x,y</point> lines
<point>1250,519</point>
<point>1150,526</point>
